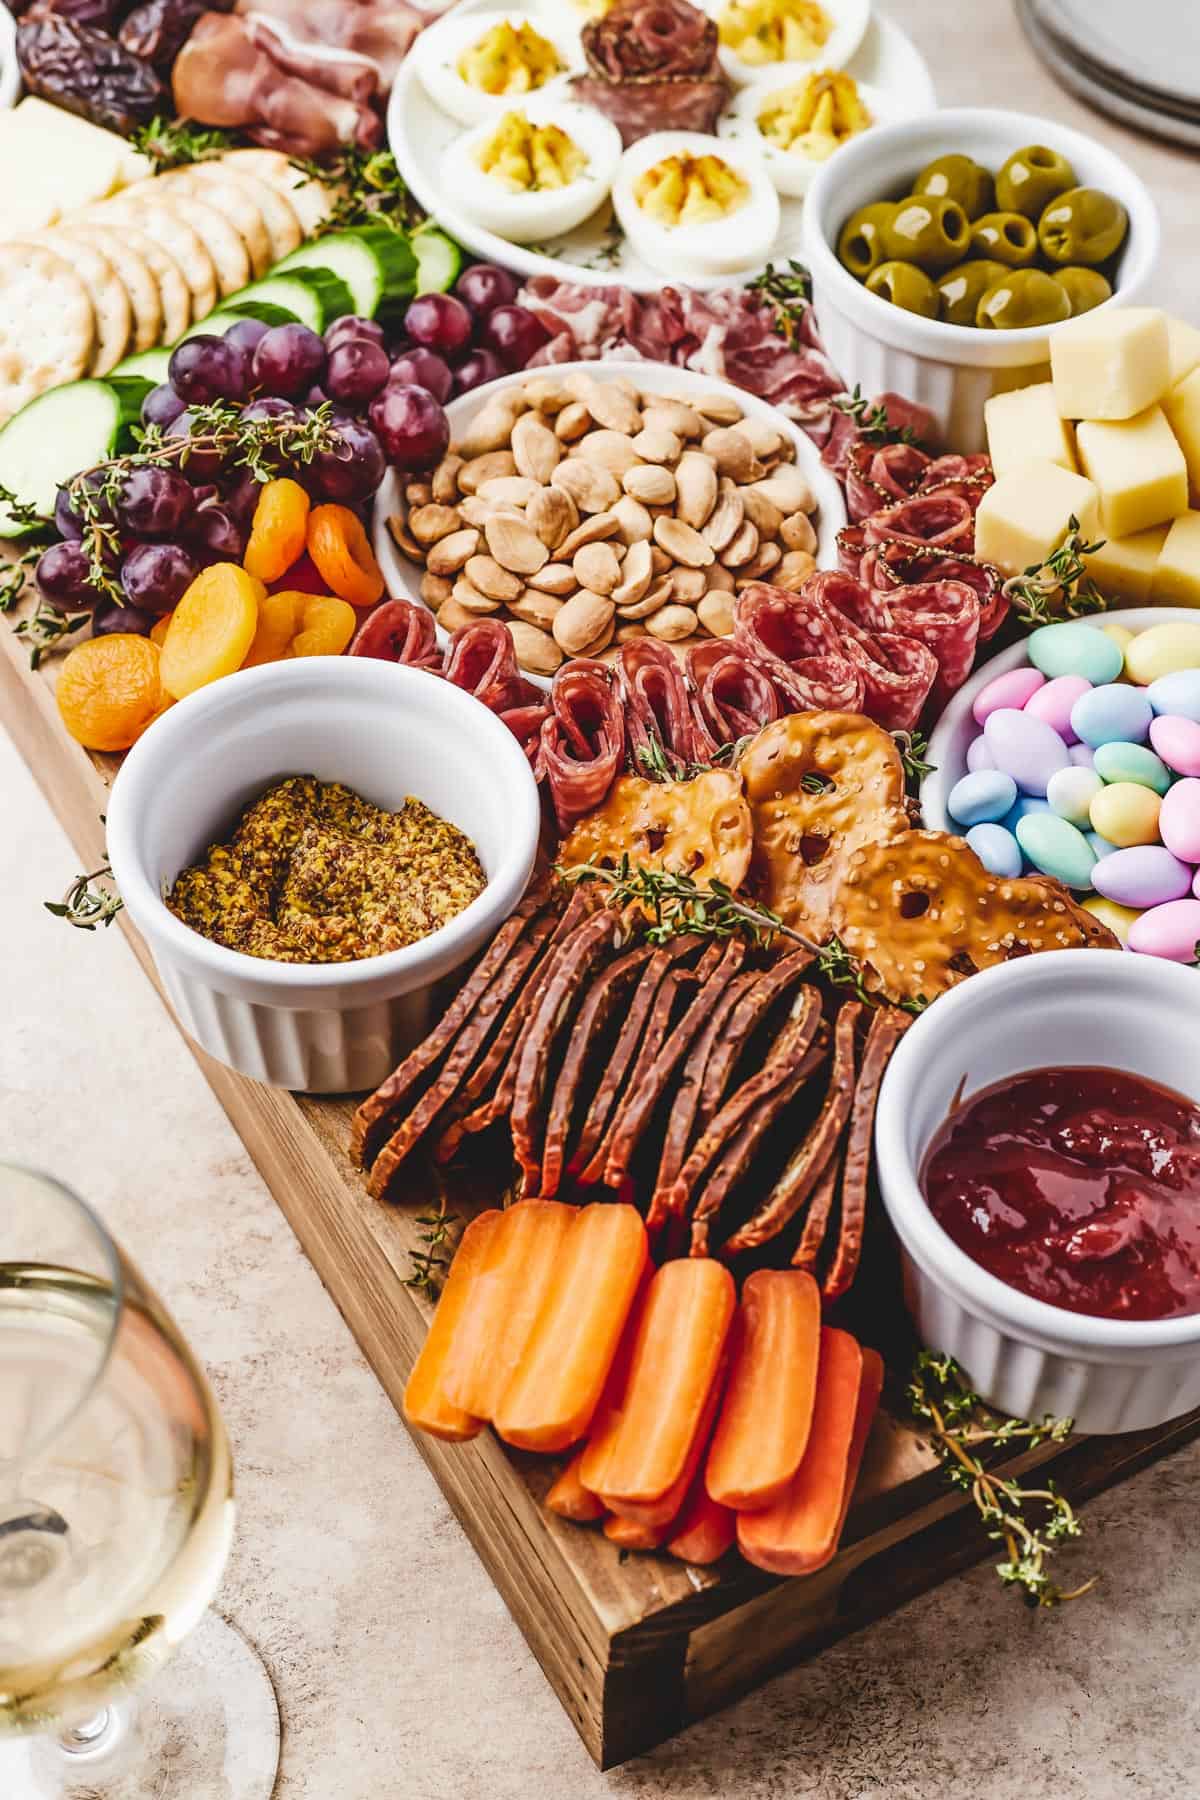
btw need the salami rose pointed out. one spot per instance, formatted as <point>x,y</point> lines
<point>732,695</point>
<point>655,697</point>
<point>401,632</point>
<point>582,743</point>
<point>481,659</point>
<point>652,65</point>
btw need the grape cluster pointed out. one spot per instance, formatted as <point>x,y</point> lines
<point>386,398</point>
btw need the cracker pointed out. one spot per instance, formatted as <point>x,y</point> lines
<point>135,276</point>
<point>174,235</point>
<point>47,327</point>
<point>226,249</point>
<point>235,202</point>
<point>174,294</point>
<point>278,214</point>
<point>106,291</point>
<point>312,200</point>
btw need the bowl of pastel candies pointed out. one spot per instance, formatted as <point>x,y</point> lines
<point>1076,754</point>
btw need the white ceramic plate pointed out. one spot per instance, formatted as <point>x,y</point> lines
<point>419,132</point>
<point>403,577</point>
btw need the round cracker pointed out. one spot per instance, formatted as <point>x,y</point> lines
<point>225,247</point>
<point>175,236</point>
<point>311,200</point>
<point>105,289</point>
<point>235,202</point>
<point>175,297</point>
<point>277,212</point>
<point>134,275</point>
<point>47,326</point>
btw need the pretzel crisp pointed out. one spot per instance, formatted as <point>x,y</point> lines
<point>922,913</point>
<point>820,786</point>
<point>700,828</point>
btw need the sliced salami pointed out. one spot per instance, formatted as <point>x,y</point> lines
<point>482,660</point>
<point>582,744</point>
<point>399,631</point>
<point>878,474</point>
<point>652,689</point>
<point>943,518</point>
<point>732,695</point>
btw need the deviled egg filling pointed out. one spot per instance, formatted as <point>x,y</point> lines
<point>814,118</point>
<point>530,158</point>
<point>690,190</point>
<point>509,59</point>
<point>760,32</point>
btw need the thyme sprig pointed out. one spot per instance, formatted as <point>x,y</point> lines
<point>46,627</point>
<point>676,904</point>
<point>838,966</point>
<point>368,189</point>
<point>874,424</point>
<point>960,1427</point>
<point>172,143</point>
<point>85,906</point>
<point>430,1263</point>
<point>912,746</point>
<point>788,293</point>
<point>654,760</point>
<point>16,576</point>
<point>1060,587</point>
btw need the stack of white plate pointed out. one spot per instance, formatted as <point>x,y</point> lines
<point>1140,62</point>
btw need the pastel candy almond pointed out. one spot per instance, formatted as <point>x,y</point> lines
<point>1112,713</point>
<point>1101,845</point>
<point>1131,762</point>
<point>1119,919</point>
<point>1177,694</point>
<point>1146,876</point>
<point>1073,648</point>
<point>982,797</point>
<point>1177,741</point>
<point>1070,793</point>
<point>1126,813</point>
<point>1082,755</point>
<point>1056,848</point>
<point>1053,702</point>
<point>997,849</point>
<point>1013,689</point>
<point>1025,748</point>
<point>1163,650</point>
<point>978,755</point>
<point>1026,804</point>
<point>1170,931</point>
<point>1179,820</point>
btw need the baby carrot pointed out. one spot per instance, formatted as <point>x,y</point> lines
<point>518,1273</point>
<point>426,1404</point>
<point>765,1416</point>
<point>632,1536</point>
<point>799,1532</point>
<point>553,1393</point>
<point>864,1418</point>
<point>669,1505</point>
<point>640,1445</point>
<point>570,1499</point>
<point>704,1532</point>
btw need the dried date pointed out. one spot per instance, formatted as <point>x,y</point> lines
<point>158,29</point>
<point>87,72</point>
<point>100,14</point>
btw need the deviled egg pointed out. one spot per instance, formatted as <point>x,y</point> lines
<point>691,204</point>
<point>475,65</point>
<point>535,171</point>
<point>761,37</point>
<point>797,127</point>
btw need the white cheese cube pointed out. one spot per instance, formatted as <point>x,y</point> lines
<point>87,139</point>
<point>1182,407</point>
<point>1137,467</point>
<point>1123,568</point>
<point>1026,514</point>
<point>1183,343</point>
<point>1177,576</point>
<point>1110,364</point>
<point>1025,426</point>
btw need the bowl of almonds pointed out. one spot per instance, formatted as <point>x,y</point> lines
<point>587,504</point>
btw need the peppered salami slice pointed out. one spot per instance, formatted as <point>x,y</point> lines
<point>605,993</point>
<point>685,1106</point>
<point>750,1010</point>
<point>803,1168</point>
<point>887,1027</point>
<point>878,474</point>
<point>399,631</point>
<point>851,547</point>
<point>738,1153</point>
<point>582,743</point>
<point>652,689</point>
<point>894,564</point>
<point>970,476</point>
<point>942,517</point>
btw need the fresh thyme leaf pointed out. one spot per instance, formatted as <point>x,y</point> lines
<point>788,293</point>
<point>1059,587</point>
<point>84,906</point>
<point>16,577</point>
<point>872,420</point>
<point>653,760</point>
<point>170,143</point>
<point>23,512</point>
<point>912,746</point>
<point>959,1427</point>
<point>430,1263</point>
<point>677,905</point>
<point>46,627</point>
<point>368,189</point>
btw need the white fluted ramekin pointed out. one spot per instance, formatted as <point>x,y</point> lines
<point>383,730</point>
<point>950,369</point>
<point>1082,1008</point>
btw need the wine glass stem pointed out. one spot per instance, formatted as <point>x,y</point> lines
<point>91,1737</point>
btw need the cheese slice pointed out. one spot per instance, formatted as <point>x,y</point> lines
<point>1123,567</point>
<point>1023,426</point>
<point>1111,363</point>
<point>1138,469</point>
<point>1182,407</point>
<point>1177,575</point>
<point>1026,514</point>
<point>52,172</point>
<point>1183,348</point>
<point>87,138</point>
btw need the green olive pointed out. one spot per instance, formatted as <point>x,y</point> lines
<point>905,285</point>
<point>928,230</point>
<point>1023,297</point>
<point>1084,225</point>
<point>860,246</point>
<point>958,178</point>
<point>1030,179</point>
<point>1085,288</point>
<point>962,289</point>
<point>1005,237</point>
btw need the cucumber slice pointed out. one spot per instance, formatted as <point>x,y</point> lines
<point>314,296</point>
<point>439,260</point>
<point>377,265</point>
<point>149,365</point>
<point>55,436</point>
<point>218,323</point>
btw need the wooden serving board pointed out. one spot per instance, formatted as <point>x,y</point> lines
<point>635,1646</point>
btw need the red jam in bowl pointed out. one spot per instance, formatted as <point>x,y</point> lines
<point>1080,1187</point>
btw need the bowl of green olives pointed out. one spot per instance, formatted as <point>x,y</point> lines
<point>945,250</point>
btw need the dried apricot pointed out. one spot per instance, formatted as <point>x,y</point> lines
<point>278,622</point>
<point>326,626</point>
<point>110,689</point>
<point>211,629</point>
<point>338,545</point>
<point>158,630</point>
<point>280,527</point>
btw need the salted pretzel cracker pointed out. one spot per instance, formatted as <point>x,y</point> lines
<point>700,828</point>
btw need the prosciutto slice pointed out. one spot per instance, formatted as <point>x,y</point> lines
<point>652,689</point>
<point>653,65</point>
<point>582,742</point>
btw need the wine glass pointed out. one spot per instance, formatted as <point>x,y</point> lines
<point>116,1516</point>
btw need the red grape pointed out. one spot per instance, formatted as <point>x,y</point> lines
<point>215,535</point>
<point>246,335</point>
<point>269,406</point>
<point>206,368</point>
<point>483,287</point>
<point>61,574</point>
<point>241,498</point>
<point>475,369</point>
<point>439,322</point>
<point>289,359</point>
<point>411,426</point>
<point>154,502</point>
<point>353,470</point>
<point>156,576</point>
<point>352,326</point>
<point>161,405</point>
<point>197,465</point>
<point>421,368</point>
<point>356,371</point>
<point>514,334</point>
<point>66,521</point>
<point>123,618</point>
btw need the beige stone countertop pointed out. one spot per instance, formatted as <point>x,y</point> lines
<point>399,1673</point>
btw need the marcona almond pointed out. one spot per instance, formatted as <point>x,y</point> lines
<point>535,649</point>
<point>687,585</point>
<point>671,623</point>
<point>435,590</point>
<point>722,409</point>
<point>760,512</point>
<point>682,544</point>
<point>473,474</point>
<point>536,609</point>
<point>508,490</point>
<point>786,488</point>
<point>697,488</point>
<point>452,617</point>
<point>418,493</point>
<point>793,570</point>
<point>555,578</point>
<point>583,618</point>
<point>468,595</point>
<point>552,514</point>
<point>450,553</point>
<point>596,567</point>
<point>719,579</point>
<point>485,573</point>
<point>650,601</point>
<point>610,404</point>
<point>633,521</point>
<point>727,516</point>
<point>765,558</point>
<point>733,454</point>
<point>742,547</point>
<point>592,488</point>
<point>600,644</point>
<point>663,412</point>
<point>474,511</point>
<point>660,562</point>
<point>715,613</point>
<point>536,449</point>
<point>444,481</point>
<point>654,443</point>
<point>491,428</point>
<point>514,545</point>
<point>628,634</point>
<point>546,393</point>
<point>796,533</point>
<point>764,439</point>
<point>611,449</point>
<point>572,422</point>
<point>651,484</point>
<point>589,531</point>
<point>431,522</point>
<point>637,570</point>
<point>403,539</point>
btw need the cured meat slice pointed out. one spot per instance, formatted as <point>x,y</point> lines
<point>803,1168</point>
<point>582,743</point>
<point>653,65</point>
<point>816,1220</point>
<point>750,1010</point>
<point>970,476</point>
<point>887,1027</point>
<point>399,632</point>
<point>795,639</point>
<point>684,1107</point>
<point>942,517</point>
<point>594,1015</point>
<point>736,1158</point>
<point>481,659</point>
<point>525,721</point>
<point>877,474</point>
<point>733,696</point>
<point>851,549</point>
<point>652,689</point>
<point>944,616</point>
<point>894,564</point>
<point>897,676</point>
<point>656,1030</point>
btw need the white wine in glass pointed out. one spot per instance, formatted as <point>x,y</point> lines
<point>116,1516</point>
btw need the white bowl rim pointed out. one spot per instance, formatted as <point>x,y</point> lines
<point>241,692</point>
<point>935,337</point>
<point>935,787</point>
<point>906,1206</point>
<point>10,68</point>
